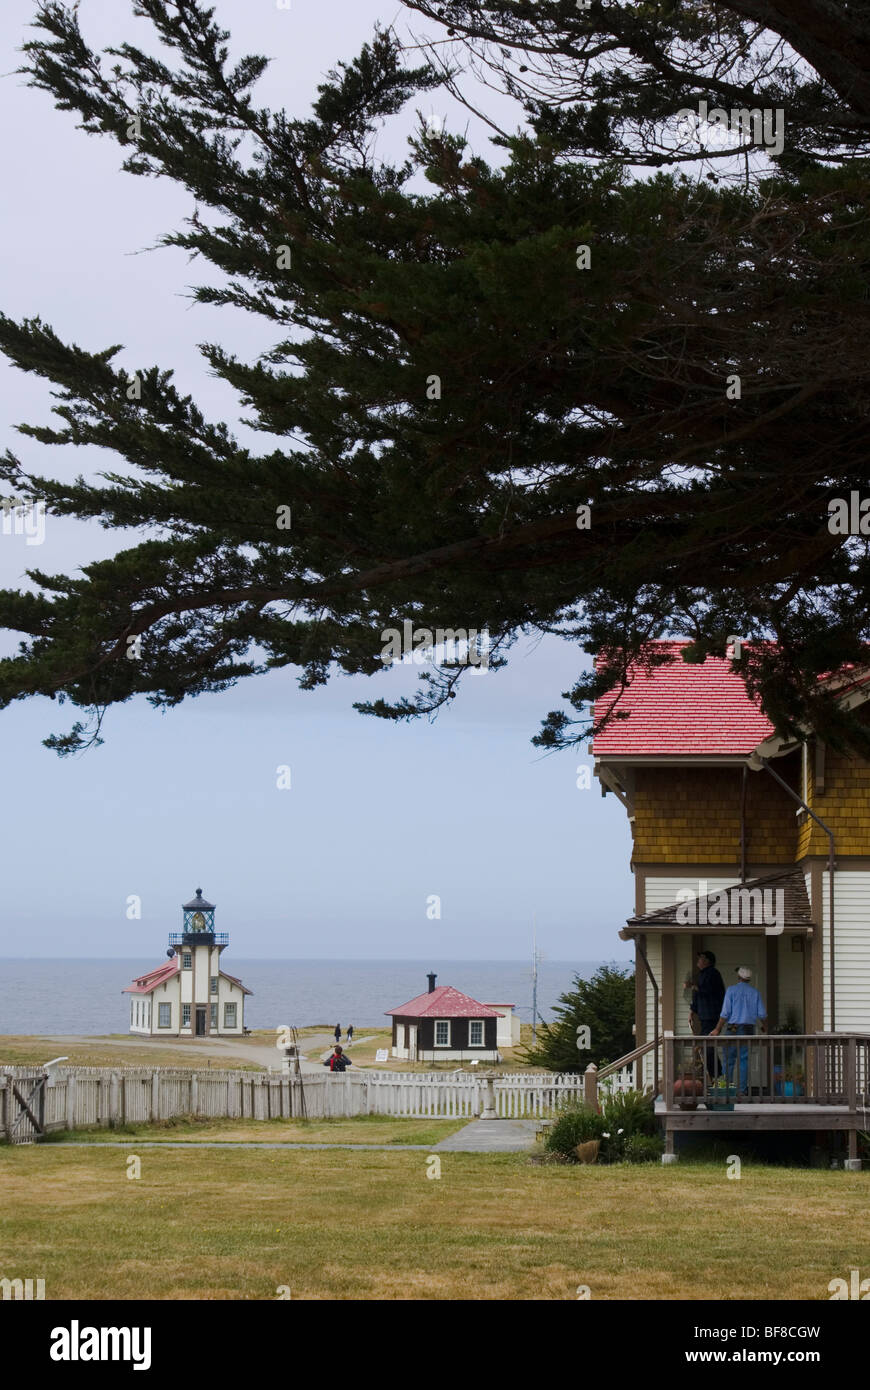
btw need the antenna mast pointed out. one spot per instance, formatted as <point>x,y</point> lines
<point>534,982</point>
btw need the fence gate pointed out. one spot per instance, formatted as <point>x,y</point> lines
<point>24,1107</point>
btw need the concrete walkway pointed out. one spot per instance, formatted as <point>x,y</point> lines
<point>490,1137</point>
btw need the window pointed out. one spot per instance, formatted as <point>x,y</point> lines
<point>475,1032</point>
<point>214,984</point>
<point>229,1015</point>
<point>185,1015</point>
<point>186,960</point>
<point>164,1015</point>
<point>442,1032</point>
<point>212,1016</point>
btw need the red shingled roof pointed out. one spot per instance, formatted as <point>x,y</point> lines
<point>683,708</point>
<point>443,1002</point>
<point>144,984</point>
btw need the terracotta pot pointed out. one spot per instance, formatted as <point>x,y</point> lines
<point>686,1092</point>
<point>687,1086</point>
<point>588,1152</point>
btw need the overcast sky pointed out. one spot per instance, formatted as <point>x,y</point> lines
<point>379,817</point>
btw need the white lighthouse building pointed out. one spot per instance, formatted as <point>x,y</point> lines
<point>190,996</point>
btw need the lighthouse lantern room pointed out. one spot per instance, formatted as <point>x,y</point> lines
<point>190,996</point>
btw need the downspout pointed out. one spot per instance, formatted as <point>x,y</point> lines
<point>756,762</point>
<point>743,826</point>
<point>652,977</point>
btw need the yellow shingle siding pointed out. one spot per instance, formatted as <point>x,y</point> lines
<point>692,815</point>
<point>844,806</point>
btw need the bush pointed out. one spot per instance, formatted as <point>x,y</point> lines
<point>631,1111</point>
<point>644,1148</point>
<point>626,1128</point>
<point>574,1126</point>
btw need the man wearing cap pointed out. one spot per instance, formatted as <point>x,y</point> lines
<point>742,1009</point>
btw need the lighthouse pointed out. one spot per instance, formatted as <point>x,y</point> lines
<point>190,996</point>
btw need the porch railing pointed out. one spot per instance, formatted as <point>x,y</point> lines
<point>767,1069</point>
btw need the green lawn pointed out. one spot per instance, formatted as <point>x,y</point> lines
<point>237,1224</point>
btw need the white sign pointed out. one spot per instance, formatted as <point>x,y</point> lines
<point>382,1055</point>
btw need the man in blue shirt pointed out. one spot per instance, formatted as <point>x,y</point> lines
<point>742,1008</point>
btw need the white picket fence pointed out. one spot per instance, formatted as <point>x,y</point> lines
<point>76,1097</point>
<point>622,1080</point>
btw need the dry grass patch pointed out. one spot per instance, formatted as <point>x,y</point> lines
<point>21,1051</point>
<point>359,1129</point>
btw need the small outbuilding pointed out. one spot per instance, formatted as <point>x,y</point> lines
<point>508,1030</point>
<point>445,1025</point>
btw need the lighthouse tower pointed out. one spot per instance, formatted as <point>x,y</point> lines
<point>190,996</point>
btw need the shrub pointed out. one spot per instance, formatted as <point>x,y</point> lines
<point>631,1111</point>
<point>644,1148</point>
<point>626,1128</point>
<point>574,1126</point>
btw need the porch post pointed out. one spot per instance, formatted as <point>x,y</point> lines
<point>772,949</point>
<point>669,957</point>
<point>668,1081</point>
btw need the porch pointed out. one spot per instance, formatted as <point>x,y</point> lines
<point>807,1081</point>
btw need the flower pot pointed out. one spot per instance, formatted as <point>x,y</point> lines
<point>686,1092</point>
<point>588,1151</point>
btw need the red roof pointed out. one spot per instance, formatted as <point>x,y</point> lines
<point>444,1002</point>
<point>144,984</point>
<point>682,708</point>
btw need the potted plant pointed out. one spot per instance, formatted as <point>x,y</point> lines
<point>688,1086</point>
<point>788,1072</point>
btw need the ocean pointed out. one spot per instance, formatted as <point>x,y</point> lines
<point>84,996</point>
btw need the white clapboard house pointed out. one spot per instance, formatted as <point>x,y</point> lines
<point>190,995</point>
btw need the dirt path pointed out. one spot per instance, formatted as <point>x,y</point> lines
<point>222,1051</point>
